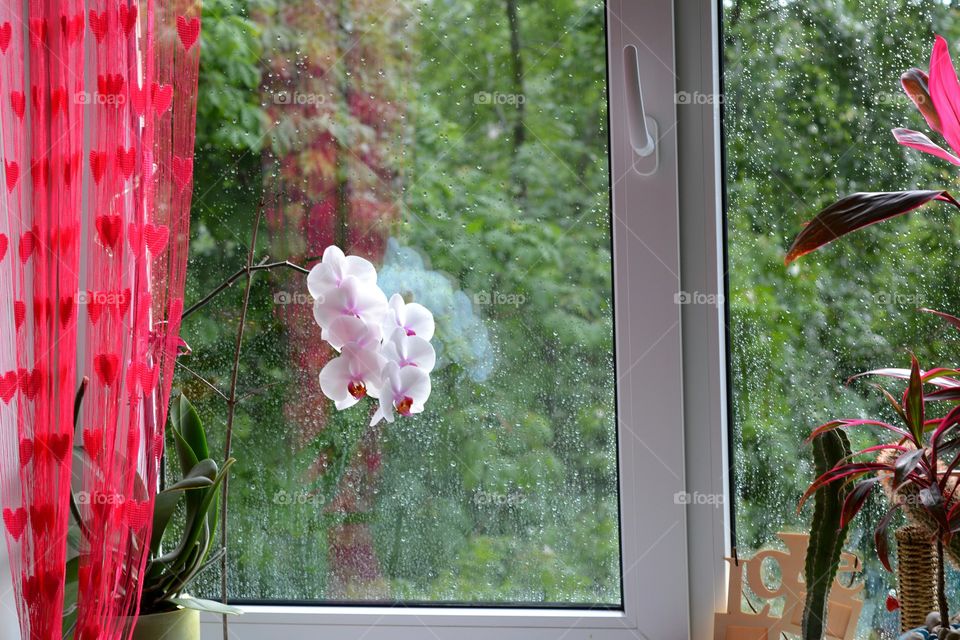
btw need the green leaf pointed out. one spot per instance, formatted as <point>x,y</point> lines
<point>187,484</point>
<point>70,595</point>
<point>163,508</point>
<point>198,518</point>
<point>185,455</point>
<point>191,428</point>
<point>186,421</point>
<point>201,604</point>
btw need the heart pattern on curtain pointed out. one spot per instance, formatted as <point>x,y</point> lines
<point>97,115</point>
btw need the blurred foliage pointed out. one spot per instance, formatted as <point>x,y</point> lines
<point>505,488</point>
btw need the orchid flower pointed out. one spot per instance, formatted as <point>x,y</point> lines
<point>384,346</point>
<point>937,97</point>
<point>355,374</point>
<point>345,329</point>
<point>409,351</point>
<point>413,318</point>
<point>404,391</point>
<point>352,298</point>
<point>334,268</point>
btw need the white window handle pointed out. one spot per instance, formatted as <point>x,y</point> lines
<point>643,129</point>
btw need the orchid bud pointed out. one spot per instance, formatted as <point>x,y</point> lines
<point>915,83</point>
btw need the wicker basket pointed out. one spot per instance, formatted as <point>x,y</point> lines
<point>916,576</point>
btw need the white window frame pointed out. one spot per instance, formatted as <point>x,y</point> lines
<point>668,239</point>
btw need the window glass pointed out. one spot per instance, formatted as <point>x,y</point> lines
<point>462,148</point>
<point>811,93</point>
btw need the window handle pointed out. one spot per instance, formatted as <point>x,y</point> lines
<point>643,129</point>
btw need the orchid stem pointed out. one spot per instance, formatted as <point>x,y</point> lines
<point>248,271</point>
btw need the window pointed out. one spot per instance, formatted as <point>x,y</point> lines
<point>811,93</point>
<point>466,148</point>
<point>477,179</point>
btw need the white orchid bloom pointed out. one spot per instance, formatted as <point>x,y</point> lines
<point>347,329</point>
<point>403,391</point>
<point>409,351</point>
<point>353,375</point>
<point>334,268</point>
<point>352,298</point>
<point>415,319</point>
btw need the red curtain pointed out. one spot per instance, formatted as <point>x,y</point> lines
<point>97,111</point>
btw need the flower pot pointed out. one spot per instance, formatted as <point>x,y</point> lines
<point>182,624</point>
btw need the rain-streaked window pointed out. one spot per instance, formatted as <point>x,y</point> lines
<point>462,148</point>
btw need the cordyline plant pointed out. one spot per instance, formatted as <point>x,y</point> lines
<point>917,468</point>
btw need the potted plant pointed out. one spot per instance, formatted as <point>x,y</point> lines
<point>917,467</point>
<point>185,520</point>
<point>165,610</point>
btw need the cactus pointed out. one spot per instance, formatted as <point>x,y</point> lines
<point>826,535</point>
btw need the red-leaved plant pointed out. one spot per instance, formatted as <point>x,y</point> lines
<point>918,467</point>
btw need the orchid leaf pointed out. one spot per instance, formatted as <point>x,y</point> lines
<point>184,418</point>
<point>857,211</point>
<point>163,509</point>
<point>209,606</point>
